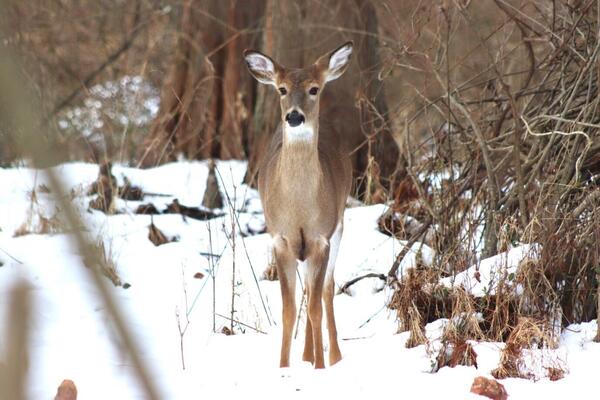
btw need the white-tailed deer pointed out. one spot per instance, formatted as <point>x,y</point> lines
<point>304,181</point>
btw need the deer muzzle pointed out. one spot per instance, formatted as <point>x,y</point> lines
<point>294,118</point>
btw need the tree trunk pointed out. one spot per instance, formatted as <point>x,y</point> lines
<point>377,162</point>
<point>237,98</point>
<point>206,97</point>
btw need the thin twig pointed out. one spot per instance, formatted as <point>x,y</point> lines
<point>241,323</point>
<point>346,286</point>
<point>13,258</point>
<point>235,215</point>
<point>391,276</point>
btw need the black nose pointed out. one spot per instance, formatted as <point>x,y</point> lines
<point>294,118</point>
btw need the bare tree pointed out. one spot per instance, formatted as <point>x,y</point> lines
<point>204,100</point>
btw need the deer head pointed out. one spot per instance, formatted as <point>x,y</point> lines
<point>299,89</point>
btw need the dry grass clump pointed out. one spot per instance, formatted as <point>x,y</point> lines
<point>465,319</point>
<point>35,222</point>
<point>106,263</point>
<point>523,311</point>
<point>555,374</point>
<point>414,324</point>
<point>39,225</point>
<point>529,333</point>
<point>455,353</point>
<point>418,299</point>
<point>499,311</point>
<point>106,189</point>
<point>463,325</point>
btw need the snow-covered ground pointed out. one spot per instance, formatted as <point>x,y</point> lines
<point>72,336</point>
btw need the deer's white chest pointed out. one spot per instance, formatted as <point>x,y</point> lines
<point>300,133</point>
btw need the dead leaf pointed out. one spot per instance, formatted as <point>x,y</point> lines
<point>156,236</point>
<point>489,388</point>
<point>66,391</point>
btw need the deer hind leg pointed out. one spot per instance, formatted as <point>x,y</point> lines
<point>286,270</point>
<point>335,354</point>
<point>317,267</point>
<point>309,352</point>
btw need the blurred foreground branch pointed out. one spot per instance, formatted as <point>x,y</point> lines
<point>14,369</point>
<point>25,121</point>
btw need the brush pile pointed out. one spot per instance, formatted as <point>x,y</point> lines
<point>515,161</point>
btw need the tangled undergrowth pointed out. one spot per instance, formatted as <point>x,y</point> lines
<point>516,161</point>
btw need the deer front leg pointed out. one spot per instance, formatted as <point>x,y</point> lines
<point>335,354</point>
<point>317,267</point>
<point>286,270</point>
<point>309,352</point>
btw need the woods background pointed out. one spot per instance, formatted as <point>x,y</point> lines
<point>497,99</point>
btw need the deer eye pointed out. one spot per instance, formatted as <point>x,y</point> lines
<point>283,91</point>
<point>313,91</point>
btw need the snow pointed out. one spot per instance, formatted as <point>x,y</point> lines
<point>72,336</point>
<point>482,279</point>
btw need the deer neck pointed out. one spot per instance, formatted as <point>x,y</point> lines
<point>299,162</point>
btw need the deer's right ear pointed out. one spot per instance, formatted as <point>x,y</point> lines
<point>262,67</point>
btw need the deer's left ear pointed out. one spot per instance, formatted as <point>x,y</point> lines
<point>335,63</point>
